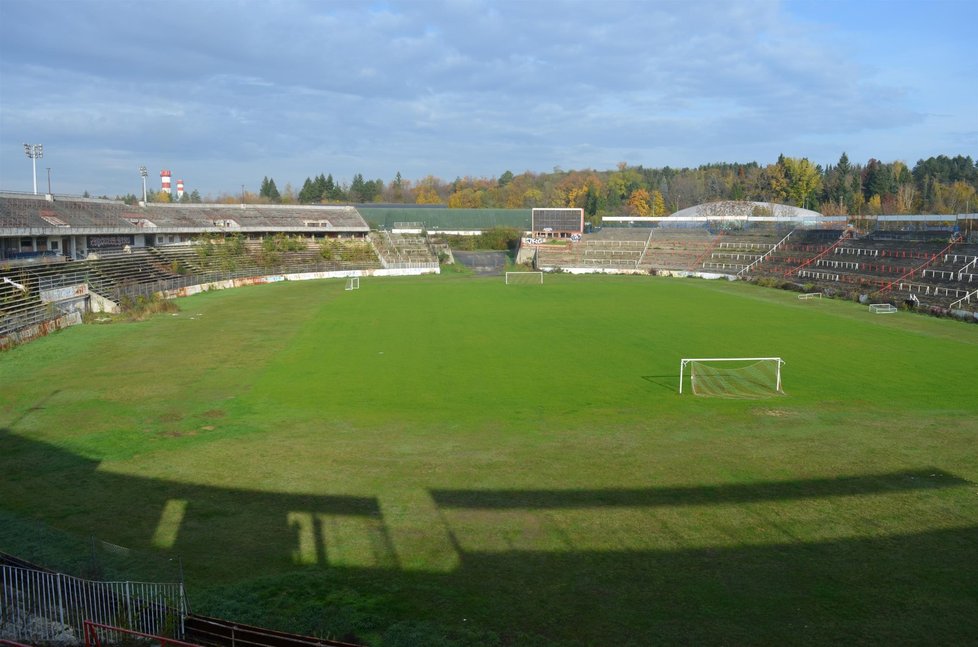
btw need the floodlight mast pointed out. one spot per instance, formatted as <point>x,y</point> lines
<point>35,152</point>
<point>143,172</point>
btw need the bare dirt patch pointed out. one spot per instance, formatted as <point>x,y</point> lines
<point>178,434</point>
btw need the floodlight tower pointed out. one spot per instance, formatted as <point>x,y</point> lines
<point>143,172</point>
<point>35,152</point>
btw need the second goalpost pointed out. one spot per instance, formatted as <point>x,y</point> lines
<point>524,278</point>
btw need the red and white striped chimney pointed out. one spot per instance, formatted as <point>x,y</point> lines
<point>179,189</point>
<point>165,180</point>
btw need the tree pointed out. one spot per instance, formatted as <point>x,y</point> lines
<point>505,178</point>
<point>332,191</point>
<point>960,196</point>
<point>802,179</point>
<point>658,204</point>
<point>427,195</point>
<point>638,203</point>
<point>875,205</point>
<point>396,189</point>
<point>356,188</point>
<point>269,191</point>
<point>288,194</point>
<point>307,192</point>
<point>877,179</point>
<point>775,182</point>
<point>467,198</point>
<point>195,196</point>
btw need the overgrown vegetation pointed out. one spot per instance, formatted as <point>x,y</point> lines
<point>349,251</point>
<point>223,252</point>
<point>496,239</point>
<point>139,308</point>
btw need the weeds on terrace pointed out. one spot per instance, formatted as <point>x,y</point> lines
<point>346,251</point>
<point>282,243</point>
<point>134,309</point>
<point>272,248</point>
<point>221,252</point>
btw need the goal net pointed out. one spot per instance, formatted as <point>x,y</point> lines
<point>882,308</point>
<point>353,283</point>
<point>524,278</point>
<point>733,377</point>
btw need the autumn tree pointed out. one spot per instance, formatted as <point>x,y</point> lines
<point>639,203</point>
<point>802,180</point>
<point>428,191</point>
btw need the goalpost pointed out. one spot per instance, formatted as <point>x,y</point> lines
<point>524,278</point>
<point>353,283</point>
<point>733,377</point>
<point>882,308</point>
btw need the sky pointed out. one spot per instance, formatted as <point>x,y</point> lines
<point>225,92</point>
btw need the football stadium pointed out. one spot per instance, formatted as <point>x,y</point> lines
<point>306,425</point>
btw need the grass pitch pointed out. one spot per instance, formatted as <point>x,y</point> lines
<point>450,460</point>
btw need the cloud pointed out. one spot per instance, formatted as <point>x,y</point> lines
<point>450,88</point>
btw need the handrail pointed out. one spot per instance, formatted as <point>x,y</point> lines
<point>92,638</point>
<point>974,262</point>
<point>966,297</point>
<point>768,253</point>
<point>648,241</point>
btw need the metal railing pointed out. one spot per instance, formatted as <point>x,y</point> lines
<point>39,606</point>
<point>965,299</point>
<point>768,253</point>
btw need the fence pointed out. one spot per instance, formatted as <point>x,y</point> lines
<point>38,606</point>
<point>98,635</point>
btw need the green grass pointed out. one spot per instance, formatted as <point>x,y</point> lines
<point>450,460</point>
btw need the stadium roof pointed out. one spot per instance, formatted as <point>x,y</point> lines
<point>744,209</point>
<point>54,215</point>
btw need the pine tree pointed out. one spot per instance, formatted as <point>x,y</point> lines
<point>307,192</point>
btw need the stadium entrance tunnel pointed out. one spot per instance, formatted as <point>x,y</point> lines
<point>485,263</point>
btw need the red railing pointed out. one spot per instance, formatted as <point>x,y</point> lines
<point>709,250</point>
<point>842,238</point>
<point>887,287</point>
<point>92,638</point>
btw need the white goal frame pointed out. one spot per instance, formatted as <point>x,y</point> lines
<point>810,295</point>
<point>882,308</point>
<point>687,360</point>
<point>352,283</point>
<point>540,274</point>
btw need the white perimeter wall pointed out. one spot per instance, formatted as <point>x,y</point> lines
<point>619,270</point>
<point>303,276</point>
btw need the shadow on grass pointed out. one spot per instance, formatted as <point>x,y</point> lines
<point>329,564</point>
<point>888,482</point>
<point>667,382</point>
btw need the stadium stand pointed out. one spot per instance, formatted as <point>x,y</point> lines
<point>936,273</point>
<point>114,250</point>
<point>401,250</point>
<point>66,250</point>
